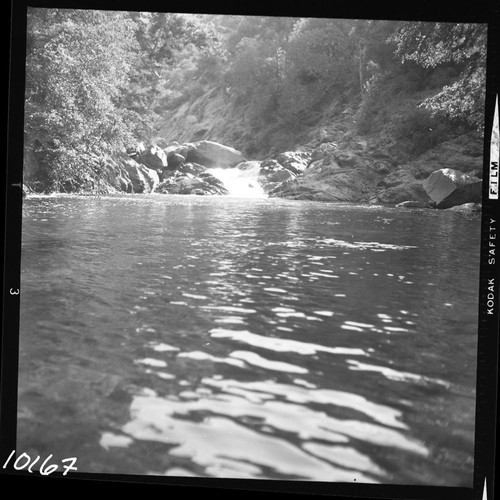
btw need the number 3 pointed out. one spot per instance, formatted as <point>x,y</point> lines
<point>14,292</point>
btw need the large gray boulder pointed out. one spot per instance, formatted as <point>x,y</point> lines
<point>152,157</point>
<point>115,175</point>
<point>272,174</point>
<point>142,178</point>
<point>329,182</point>
<point>175,159</point>
<point>187,183</point>
<point>213,155</point>
<point>448,188</point>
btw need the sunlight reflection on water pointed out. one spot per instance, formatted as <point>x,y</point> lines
<point>259,339</point>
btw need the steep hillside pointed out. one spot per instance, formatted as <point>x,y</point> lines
<point>378,154</point>
<point>333,109</point>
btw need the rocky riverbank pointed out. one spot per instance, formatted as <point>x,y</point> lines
<point>348,170</point>
<point>334,166</point>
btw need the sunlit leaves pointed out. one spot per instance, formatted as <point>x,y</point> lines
<point>77,70</point>
<point>435,44</point>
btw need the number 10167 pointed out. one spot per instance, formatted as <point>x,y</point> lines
<point>24,461</point>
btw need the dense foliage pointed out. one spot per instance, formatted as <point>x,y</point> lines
<point>437,44</point>
<point>97,81</point>
<point>77,75</point>
<point>92,82</point>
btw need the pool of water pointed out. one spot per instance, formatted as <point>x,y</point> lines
<point>249,338</point>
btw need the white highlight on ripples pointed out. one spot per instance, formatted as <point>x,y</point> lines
<point>109,440</point>
<point>145,329</point>
<point>365,245</point>
<point>349,327</point>
<point>232,320</point>
<point>357,327</point>
<point>193,296</point>
<point>203,356</point>
<point>151,362</point>
<point>162,347</point>
<point>324,313</point>
<point>306,395</point>
<point>225,447</point>
<point>256,360</point>
<point>344,456</point>
<point>395,329</point>
<point>237,434</point>
<point>230,309</point>
<point>361,325</point>
<point>281,345</point>
<point>396,375</point>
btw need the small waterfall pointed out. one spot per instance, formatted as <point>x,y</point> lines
<point>242,180</point>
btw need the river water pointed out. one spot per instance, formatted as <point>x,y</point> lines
<point>249,338</point>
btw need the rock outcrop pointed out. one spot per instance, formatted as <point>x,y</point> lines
<point>185,182</point>
<point>355,170</point>
<point>329,183</point>
<point>294,161</point>
<point>448,188</point>
<point>213,155</point>
<point>124,174</point>
<point>347,169</point>
<point>152,157</point>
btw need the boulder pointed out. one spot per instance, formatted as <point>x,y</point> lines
<point>213,155</point>
<point>175,159</point>
<point>448,187</point>
<point>115,175</point>
<point>272,174</point>
<point>281,175</point>
<point>295,161</point>
<point>346,158</point>
<point>175,147</point>
<point>186,183</point>
<point>410,190</point>
<point>192,168</point>
<point>152,157</point>
<point>142,178</point>
<point>329,183</point>
<point>325,149</point>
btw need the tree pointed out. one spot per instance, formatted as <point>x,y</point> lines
<point>165,39</point>
<point>320,62</point>
<point>77,70</point>
<point>463,45</point>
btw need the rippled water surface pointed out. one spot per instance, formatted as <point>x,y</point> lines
<point>258,338</point>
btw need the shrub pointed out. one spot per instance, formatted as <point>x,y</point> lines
<point>419,131</point>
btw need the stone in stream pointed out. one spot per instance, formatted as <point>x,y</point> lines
<point>143,179</point>
<point>448,188</point>
<point>192,182</point>
<point>115,175</point>
<point>123,173</point>
<point>212,154</point>
<point>327,181</point>
<point>175,159</point>
<point>272,175</point>
<point>152,157</point>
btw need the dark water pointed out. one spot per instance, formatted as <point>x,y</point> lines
<point>264,338</point>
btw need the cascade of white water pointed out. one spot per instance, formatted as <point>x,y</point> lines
<point>241,181</point>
